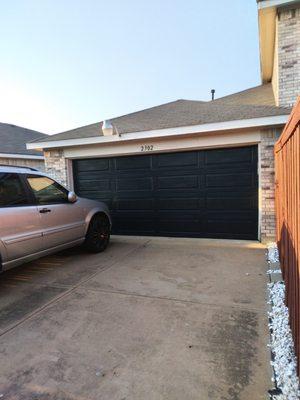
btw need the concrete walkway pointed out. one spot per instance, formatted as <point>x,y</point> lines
<point>149,319</point>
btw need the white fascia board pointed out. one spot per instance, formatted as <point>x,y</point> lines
<point>168,132</point>
<point>275,3</point>
<point>21,156</point>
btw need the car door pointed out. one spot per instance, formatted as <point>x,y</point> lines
<point>20,228</point>
<point>62,222</point>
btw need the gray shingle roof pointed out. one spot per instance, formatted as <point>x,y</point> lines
<point>13,139</point>
<point>259,95</point>
<point>253,103</point>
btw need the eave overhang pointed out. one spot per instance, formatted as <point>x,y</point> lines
<point>267,11</point>
<point>267,31</point>
<point>272,121</point>
<point>275,3</point>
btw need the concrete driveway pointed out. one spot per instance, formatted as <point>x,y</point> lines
<point>151,318</point>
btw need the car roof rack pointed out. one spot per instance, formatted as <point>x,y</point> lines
<point>18,166</point>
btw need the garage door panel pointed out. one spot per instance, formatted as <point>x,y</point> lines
<point>94,185</point>
<point>177,182</point>
<point>134,183</point>
<point>221,228</point>
<point>229,156</point>
<point>180,174</point>
<point>208,193</point>
<point>182,227</point>
<point>188,159</point>
<point>135,214</point>
<point>135,204</point>
<point>231,203</point>
<point>232,180</point>
<point>99,164</point>
<point>133,162</point>
<point>173,214</point>
<point>229,169</point>
<point>181,204</point>
<point>94,175</point>
<point>132,225</point>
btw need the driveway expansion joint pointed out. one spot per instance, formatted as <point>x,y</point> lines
<point>173,299</point>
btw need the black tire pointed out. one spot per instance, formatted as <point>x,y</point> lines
<point>98,234</point>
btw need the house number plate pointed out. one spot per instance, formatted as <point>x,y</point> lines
<point>146,147</point>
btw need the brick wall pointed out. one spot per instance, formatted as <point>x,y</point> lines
<point>288,56</point>
<point>38,164</point>
<point>267,184</point>
<point>56,165</point>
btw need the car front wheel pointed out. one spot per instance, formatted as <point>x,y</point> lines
<point>98,234</point>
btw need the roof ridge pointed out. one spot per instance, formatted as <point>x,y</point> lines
<point>154,107</point>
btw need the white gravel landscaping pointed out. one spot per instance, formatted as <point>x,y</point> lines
<point>273,254</point>
<point>282,347</point>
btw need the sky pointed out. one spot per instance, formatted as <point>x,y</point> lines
<point>68,63</point>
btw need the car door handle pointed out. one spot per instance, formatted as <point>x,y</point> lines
<point>44,210</point>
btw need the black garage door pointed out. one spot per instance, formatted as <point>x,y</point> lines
<point>207,193</point>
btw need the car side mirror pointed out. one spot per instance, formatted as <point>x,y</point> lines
<point>72,198</point>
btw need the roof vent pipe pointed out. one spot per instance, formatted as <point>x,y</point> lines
<point>107,128</point>
<point>213,94</point>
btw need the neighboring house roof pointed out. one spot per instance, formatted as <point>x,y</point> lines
<point>13,139</point>
<point>257,102</point>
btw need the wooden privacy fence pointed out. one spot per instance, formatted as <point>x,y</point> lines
<point>287,180</point>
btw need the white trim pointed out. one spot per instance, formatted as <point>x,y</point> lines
<point>156,133</point>
<point>160,145</point>
<point>275,3</point>
<point>21,156</point>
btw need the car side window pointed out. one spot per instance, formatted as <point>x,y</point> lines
<point>47,191</point>
<point>12,192</point>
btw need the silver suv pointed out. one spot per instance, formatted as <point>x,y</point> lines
<point>38,216</point>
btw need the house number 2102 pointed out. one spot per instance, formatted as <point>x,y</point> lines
<point>147,147</point>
